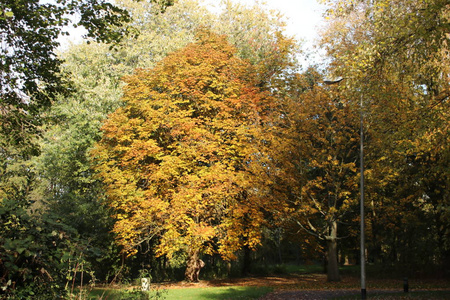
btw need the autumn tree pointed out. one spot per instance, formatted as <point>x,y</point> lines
<point>181,160</point>
<point>321,154</point>
<point>395,55</point>
<point>96,70</point>
<point>65,176</point>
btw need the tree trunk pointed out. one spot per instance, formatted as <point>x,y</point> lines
<point>193,267</point>
<point>333,266</point>
<point>246,264</point>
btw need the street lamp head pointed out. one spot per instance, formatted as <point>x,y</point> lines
<point>329,81</point>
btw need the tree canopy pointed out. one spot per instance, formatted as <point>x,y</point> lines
<point>181,159</point>
<point>31,76</point>
<point>394,55</point>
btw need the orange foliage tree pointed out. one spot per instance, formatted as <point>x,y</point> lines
<point>182,161</point>
<point>322,158</point>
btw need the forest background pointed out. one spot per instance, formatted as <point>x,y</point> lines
<point>174,133</point>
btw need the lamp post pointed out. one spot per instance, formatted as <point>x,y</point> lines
<point>361,190</point>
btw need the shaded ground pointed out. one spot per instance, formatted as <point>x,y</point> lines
<point>315,286</point>
<point>277,282</point>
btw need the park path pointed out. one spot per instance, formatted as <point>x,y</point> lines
<point>333,294</point>
<point>308,294</point>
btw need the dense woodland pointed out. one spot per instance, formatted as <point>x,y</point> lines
<point>173,134</point>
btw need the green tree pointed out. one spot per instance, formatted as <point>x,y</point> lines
<point>31,79</point>
<point>30,76</point>
<point>30,69</point>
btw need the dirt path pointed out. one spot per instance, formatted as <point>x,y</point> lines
<point>308,294</point>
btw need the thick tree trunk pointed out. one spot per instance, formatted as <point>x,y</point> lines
<point>193,267</point>
<point>333,266</point>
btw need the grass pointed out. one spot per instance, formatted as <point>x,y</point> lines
<point>302,269</point>
<point>213,293</point>
<point>218,293</point>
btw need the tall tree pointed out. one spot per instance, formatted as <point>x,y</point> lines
<point>30,79</point>
<point>30,69</point>
<point>321,157</point>
<point>395,55</point>
<point>66,181</point>
<point>96,71</point>
<point>181,160</point>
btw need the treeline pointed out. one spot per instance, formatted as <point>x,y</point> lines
<point>193,135</point>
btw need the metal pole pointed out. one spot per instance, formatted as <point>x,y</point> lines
<point>361,186</point>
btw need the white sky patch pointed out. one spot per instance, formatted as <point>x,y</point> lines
<point>303,17</point>
<point>75,37</point>
<point>303,21</point>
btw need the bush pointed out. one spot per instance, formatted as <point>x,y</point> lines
<point>35,252</point>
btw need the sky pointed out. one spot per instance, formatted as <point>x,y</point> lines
<point>303,16</point>
<point>303,21</point>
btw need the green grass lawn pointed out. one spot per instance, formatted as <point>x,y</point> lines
<point>216,293</point>
<point>211,293</point>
